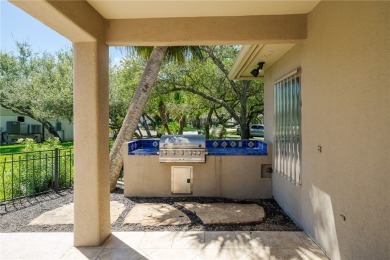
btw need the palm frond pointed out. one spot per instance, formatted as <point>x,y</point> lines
<point>143,52</point>
<point>177,54</point>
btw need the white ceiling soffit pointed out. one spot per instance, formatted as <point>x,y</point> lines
<point>250,55</point>
<point>131,9</point>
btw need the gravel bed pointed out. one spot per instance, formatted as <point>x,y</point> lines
<point>21,212</point>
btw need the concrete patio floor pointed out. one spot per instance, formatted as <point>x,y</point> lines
<point>164,245</point>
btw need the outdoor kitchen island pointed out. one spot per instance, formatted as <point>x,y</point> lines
<point>189,166</point>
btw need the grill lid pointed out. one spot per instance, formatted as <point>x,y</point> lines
<point>183,142</point>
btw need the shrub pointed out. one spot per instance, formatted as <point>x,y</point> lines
<point>32,172</point>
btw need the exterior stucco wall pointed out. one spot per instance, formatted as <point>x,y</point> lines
<point>237,177</point>
<point>206,30</point>
<point>345,64</point>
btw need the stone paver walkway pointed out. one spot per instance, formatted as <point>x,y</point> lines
<point>226,213</point>
<point>156,214</point>
<point>195,245</point>
<point>160,214</point>
<point>65,215</point>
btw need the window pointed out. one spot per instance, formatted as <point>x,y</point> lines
<point>287,127</point>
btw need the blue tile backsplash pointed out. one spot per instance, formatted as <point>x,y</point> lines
<point>143,147</point>
<point>213,147</point>
<point>236,147</point>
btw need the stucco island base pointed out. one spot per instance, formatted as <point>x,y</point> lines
<point>234,177</point>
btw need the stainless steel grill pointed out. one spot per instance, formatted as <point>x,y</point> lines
<point>182,148</point>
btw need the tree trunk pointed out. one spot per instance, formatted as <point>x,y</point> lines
<point>208,123</point>
<point>207,131</point>
<point>243,111</point>
<point>244,131</point>
<point>197,122</point>
<point>43,133</point>
<point>51,129</point>
<point>135,111</point>
<point>163,115</point>
<point>182,124</point>
<point>146,126</point>
<point>140,133</point>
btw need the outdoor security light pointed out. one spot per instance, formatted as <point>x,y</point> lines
<point>256,71</point>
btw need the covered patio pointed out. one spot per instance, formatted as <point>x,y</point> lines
<point>328,200</point>
<point>92,26</point>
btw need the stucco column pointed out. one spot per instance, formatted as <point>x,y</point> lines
<point>91,151</point>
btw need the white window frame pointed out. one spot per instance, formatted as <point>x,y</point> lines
<point>287,127</point>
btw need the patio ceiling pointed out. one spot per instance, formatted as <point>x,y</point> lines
<point>251,55</point>
<point>268,28</point>
<point>172,23</point>
<point>132,9</point>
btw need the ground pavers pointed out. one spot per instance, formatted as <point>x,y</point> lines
<point>160,214</point>
<point>65,215</point>
<point>156,214</point>
<point>226,213</point>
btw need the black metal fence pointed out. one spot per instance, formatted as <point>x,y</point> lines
<point>32,173</point>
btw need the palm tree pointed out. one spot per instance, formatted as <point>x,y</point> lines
<point>182,124</point>
<point>163,115</point>
<point>155,57</point>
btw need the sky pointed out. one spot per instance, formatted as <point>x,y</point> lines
<point>17,25</point>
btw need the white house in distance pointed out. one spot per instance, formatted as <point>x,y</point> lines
<point>14,126</point>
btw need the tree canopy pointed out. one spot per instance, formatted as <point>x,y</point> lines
<point>37,85</point>
<point>197,91</point>
<point>207,82</point>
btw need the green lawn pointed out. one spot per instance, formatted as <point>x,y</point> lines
<point>231,134</point>
<point>11,148</point>
<point>17,148</point>
<point>232,137</point>
<point>187,128</point>
<point>231,131</point>
<point>68,144</point>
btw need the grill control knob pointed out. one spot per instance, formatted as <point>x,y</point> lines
<point>165,152</point>
<point>198,153</point>
<point>189,153</point>
<point>173,153</point>
<point>182,152</point>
